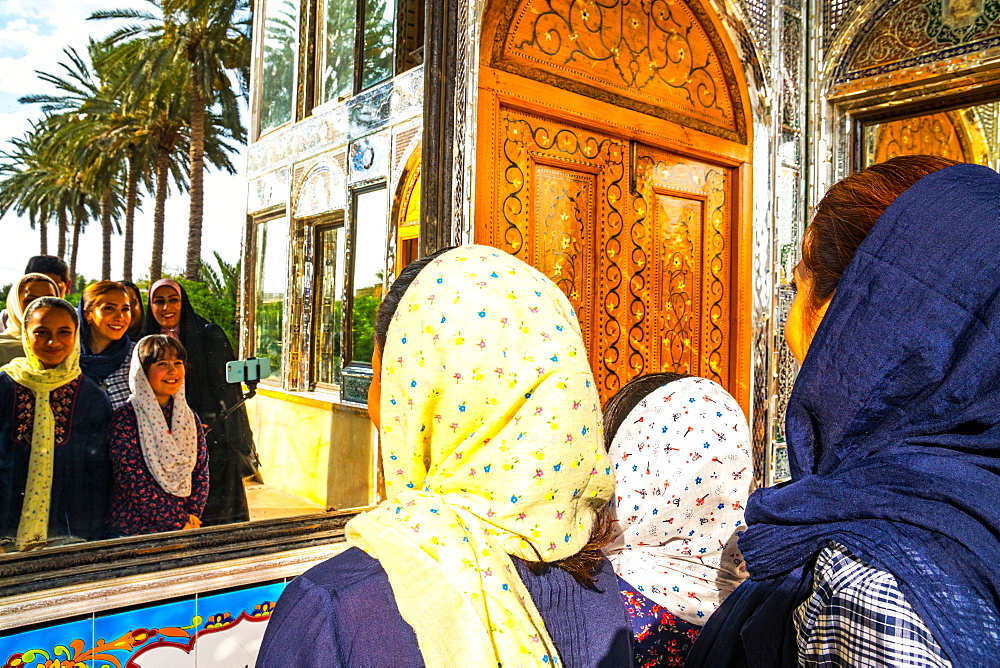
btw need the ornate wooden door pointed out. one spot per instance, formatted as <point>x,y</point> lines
<point>628,205</point>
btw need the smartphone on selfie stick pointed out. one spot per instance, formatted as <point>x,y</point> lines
<point>248,372</point>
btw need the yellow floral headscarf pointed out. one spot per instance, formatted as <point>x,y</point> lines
<point>33,527</point>
<point>491,444</point>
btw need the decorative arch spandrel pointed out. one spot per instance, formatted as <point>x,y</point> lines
<point>659,57</point>
<point>933,134</point>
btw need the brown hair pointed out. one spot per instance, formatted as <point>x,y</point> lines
<point>847,213</point>
<point>154,348</point>
<point>629,396</point>
<point>583,564</point>
<point>99,289</point>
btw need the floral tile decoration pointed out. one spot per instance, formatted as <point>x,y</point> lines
<point>218,630</point>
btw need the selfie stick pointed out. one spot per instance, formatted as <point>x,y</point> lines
<point>251,391</point>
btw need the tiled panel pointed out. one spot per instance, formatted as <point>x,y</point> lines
<point>145,631</point>
<point>70,644</point>
<point>233,626</point>
<point>214,631</point>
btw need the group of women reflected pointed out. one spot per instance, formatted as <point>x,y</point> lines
<point>111,425</point>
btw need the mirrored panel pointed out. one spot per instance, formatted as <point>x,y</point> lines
<point>966,134</point>
<point>280,53</point>
<point>370,229</point>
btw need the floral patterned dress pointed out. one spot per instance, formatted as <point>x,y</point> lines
<point>138,504</point>
<point>661,638</point>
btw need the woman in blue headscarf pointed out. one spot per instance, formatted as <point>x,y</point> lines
<point>883,548</point>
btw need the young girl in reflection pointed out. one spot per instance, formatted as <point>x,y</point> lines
<point>157,446</point>
<point>54,469</point>
<point>680,447</point>
<point>232,456</point>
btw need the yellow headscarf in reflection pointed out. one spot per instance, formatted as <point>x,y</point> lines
<point>492,447</point>
<point>33,527</point>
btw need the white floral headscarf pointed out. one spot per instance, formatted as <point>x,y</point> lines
<point>683,472</point>
<point>171,452</point>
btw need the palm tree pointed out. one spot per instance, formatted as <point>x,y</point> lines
<point>90,128</point>
<point>210,39</point>
<point>40,182</point>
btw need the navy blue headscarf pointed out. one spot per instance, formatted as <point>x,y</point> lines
<point>894,434</point>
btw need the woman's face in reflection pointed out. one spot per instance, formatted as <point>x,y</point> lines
<point>135,304</point>
<point>32,290</point>
<point>165,305</point>
<point>109,316</point>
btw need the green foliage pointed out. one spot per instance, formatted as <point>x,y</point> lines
<point>363,327</point>
<point>220,309</point>
<point>269,323</point>
<point>4,291</point>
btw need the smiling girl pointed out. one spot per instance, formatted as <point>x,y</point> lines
<point>54,468</point>
<point>157,446</point>
<point>210,395</point>
<point>105,315</point>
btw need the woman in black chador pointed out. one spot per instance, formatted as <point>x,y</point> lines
<point>231,453</point>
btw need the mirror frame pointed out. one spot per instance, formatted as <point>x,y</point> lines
<point>84,563</point>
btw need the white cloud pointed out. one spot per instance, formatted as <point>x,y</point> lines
<point>33,35</point>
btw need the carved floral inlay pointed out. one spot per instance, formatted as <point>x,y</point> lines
<point>654,56</point>
<point>934,134</point>
<point>647,270</point>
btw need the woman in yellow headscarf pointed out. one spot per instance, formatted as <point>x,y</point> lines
<point>486,551</point>
<point>55,473</point>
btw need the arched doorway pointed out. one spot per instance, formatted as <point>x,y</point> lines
<point>613,155</point>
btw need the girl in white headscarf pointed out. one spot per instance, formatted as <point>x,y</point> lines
<point>24,291</point>
<point>680,447</point>
<point>157,446</point>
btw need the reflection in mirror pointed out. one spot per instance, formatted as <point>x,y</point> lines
<point>337,55</point>
<point>969,134</point>
<point>378,41</point>
<point>271,282</point>
<point>370,214</point>
<point>329,308</point>
<point>281,19</point>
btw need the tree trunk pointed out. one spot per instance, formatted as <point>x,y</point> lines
<point>162,174</point>
<point>62,233</point>
<point>43,227</point>
<point>197,179</point>
<point>131,198</point>
<point>106,237</point>
<point>77,224</point>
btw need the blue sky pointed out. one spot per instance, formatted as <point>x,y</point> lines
<point>33,34</point>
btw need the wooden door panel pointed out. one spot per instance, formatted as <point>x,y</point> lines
<point>675,286</point>
<point>637,237</point>
<point>558,189</point>
<point>564,219</point>
<point>686,210</point>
